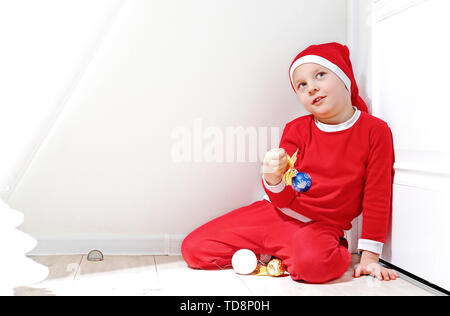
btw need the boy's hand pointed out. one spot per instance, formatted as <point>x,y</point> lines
<point>274,165</point>
<point>369,265</point>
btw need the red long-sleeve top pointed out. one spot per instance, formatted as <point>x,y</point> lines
<point>351,171</point>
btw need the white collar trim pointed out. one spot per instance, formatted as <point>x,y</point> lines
<point>339,127</point>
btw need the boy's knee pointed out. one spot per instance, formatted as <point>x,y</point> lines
<point>319,265</point>
<point>309,269</point>
<point>188,251</point>
<point>313,271</point>
<point>200,252</point>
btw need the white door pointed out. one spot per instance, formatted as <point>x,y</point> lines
<point>411,91</point>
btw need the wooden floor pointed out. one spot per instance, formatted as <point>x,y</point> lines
<point>169,275</point>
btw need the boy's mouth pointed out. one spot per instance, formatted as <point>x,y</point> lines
<point>318,99</point>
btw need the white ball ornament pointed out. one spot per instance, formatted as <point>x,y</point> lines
<point>244,261</point>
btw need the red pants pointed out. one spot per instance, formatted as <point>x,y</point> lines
<point>313,252</point>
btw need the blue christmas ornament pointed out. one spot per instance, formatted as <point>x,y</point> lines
<point>301,182</point>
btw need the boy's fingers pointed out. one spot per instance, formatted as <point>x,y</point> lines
<point>280,153</point>
<point>267,169</point>
<point>278,160</point>
<point>274,154</point>
<point>385,275</point>
<point>378,275</point>
<point>371,271</point>
<point>393,275</point>
<point>274,163</point>
<point>357,272</point>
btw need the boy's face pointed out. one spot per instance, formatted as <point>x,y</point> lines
<point>313,80</point>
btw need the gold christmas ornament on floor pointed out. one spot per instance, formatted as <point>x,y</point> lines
<point>274,268</point>
<point>261,270</point>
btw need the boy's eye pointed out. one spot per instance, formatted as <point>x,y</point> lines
<point>302,83</point>
<point>301,86</point>
<point>320,73</point>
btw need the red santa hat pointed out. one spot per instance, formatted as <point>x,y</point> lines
<point>335,57</point>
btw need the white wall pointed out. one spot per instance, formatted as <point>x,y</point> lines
<point>46,46</point>
<point>133,77</point>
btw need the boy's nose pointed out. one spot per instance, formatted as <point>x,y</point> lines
<point>312,90</point>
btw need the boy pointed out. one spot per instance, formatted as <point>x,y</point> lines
<point>349,155</point>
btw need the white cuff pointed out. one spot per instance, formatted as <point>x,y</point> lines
<point>275,188</point>
<point>370,245</point>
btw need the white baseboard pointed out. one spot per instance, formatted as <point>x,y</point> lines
<point>164,244</point>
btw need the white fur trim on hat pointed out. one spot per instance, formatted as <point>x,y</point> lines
<point>323,62</point>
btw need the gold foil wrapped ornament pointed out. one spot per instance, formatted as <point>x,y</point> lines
<point>275,267</point>
<point>291,172</point>
<point>261,270</point>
